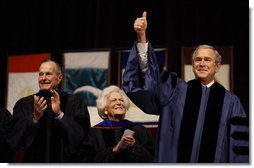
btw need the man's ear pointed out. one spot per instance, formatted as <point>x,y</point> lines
<point>218,66</point>
<point>60,77</point>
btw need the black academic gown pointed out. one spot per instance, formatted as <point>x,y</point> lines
<point>5,118</point>
<point>107,134</point>
<point>49,140</point>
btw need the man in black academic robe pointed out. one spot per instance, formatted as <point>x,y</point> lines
<point>51,125</point>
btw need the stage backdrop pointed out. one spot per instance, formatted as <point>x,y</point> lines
<point>86,74</point>
<point>23,76</point>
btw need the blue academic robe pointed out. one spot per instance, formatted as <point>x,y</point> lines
<point>176,140</point>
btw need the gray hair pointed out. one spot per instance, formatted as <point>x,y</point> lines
<point>101,102</point>
<point>58,67</point>
<point>205,46</point>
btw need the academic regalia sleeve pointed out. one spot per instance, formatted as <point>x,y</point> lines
<point>142,153</point>
<point>141,88</point>
<point>75,123</point>
<point>5,117</point>
<point>106,156</point>
<point>6,153</point>
<point>21,127</point>
<point>144,148</point>
<point>239,134</point>
<point>102,152</point>
<point>154,87</point>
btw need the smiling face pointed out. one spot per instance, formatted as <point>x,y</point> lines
<point>115,106</point>
<point>204,65</point>
<point>49,76</point>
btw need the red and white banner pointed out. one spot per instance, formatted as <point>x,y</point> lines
<point>23,76</point>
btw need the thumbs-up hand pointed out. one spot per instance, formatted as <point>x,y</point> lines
<point>140,26</point>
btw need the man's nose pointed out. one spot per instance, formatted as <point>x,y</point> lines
<point>43,76</point>
<point>202,62</point>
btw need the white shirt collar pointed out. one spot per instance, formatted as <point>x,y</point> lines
<point>209,84</point>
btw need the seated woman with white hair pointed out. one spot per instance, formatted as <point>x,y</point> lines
<point>116,139</point>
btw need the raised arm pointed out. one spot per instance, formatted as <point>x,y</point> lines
<point>141,77</point>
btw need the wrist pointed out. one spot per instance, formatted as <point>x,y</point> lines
<point>116,149</point>
<point>59,116</point>
<point>35,117</point>
<point>142,38</point>
<point>58,113</point>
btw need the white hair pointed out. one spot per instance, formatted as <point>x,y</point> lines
<point>101,102</point>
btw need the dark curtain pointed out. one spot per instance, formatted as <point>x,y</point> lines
<point>59,25</point>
